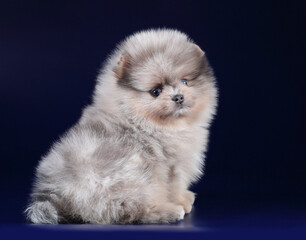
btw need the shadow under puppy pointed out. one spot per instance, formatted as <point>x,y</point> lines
<point>139,145</point>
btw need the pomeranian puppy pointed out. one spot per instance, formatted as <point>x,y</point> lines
<point>139,146</point>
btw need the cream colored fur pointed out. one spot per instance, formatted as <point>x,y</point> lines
<point>132,157</point>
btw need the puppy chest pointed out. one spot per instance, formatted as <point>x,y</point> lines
<point>170,148</point>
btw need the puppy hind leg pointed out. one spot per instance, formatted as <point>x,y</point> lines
<point>42,212</point>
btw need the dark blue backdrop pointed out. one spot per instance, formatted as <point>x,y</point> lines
<point>51,51</point>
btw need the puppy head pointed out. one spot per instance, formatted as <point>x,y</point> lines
<point>166,78</point>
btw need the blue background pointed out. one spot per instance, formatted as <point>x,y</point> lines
<point>50,54</point>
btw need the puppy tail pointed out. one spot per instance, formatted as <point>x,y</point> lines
<point>42,212</point>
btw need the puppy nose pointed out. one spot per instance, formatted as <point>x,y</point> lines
<point>179,99</point>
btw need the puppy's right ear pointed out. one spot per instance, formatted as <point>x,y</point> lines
<point>200,51</point>
<point>123,65</point>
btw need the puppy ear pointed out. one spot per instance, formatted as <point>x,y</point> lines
<point>123,65</point>
<point>201,52</point>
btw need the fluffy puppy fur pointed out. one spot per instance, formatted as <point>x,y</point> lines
<point>139,145</point>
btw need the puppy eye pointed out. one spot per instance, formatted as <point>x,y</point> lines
<point>184,81</point>
<point>156,91</point>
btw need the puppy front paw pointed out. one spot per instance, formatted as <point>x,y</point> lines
<point>186,200</point>
<point>167,213</point>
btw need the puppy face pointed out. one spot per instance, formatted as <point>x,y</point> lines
<point>165,81</point>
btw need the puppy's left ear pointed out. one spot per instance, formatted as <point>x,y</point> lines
<point>123,65</point>
<point>200,51</point>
